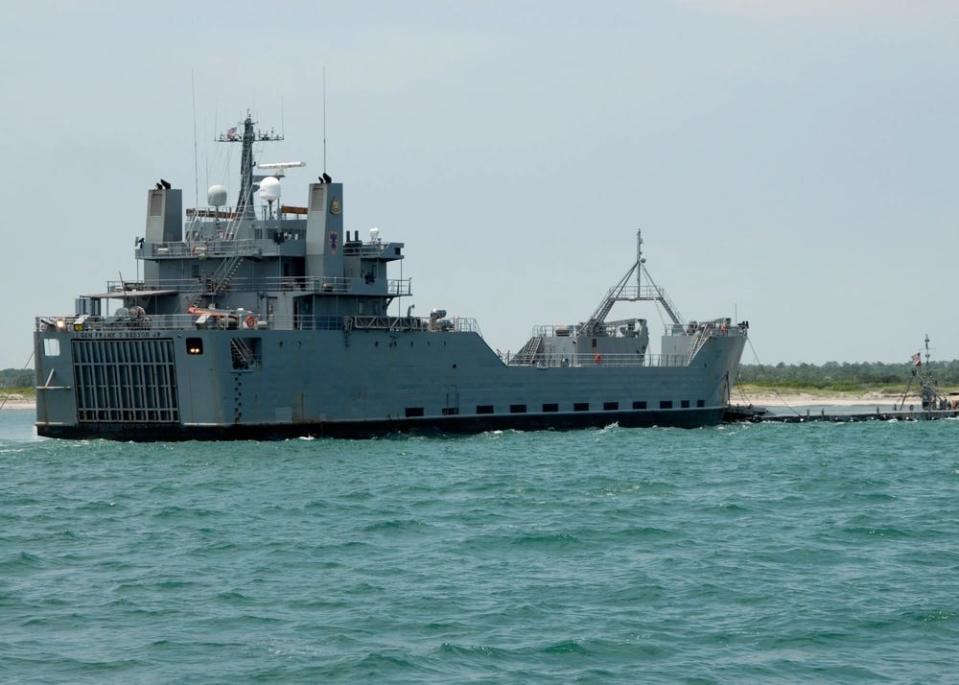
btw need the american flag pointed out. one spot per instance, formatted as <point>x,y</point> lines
<point>917,359</point>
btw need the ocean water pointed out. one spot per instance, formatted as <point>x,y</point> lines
<point>824,553</point>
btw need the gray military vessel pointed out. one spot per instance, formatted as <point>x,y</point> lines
<point>267,320</point>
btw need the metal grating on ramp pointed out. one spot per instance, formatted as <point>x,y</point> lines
<point>125,380</point>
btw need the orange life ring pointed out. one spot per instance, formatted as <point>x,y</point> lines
<point>598,359</point>
<point>250,321</point>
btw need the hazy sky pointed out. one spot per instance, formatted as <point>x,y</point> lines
<point>795,161</point>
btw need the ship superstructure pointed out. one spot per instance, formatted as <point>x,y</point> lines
<point>273,320</point>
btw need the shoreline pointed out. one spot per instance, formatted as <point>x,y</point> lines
<point>18,403</point>
<point>803,399</point>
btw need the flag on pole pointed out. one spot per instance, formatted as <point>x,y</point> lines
<point>917,359</point>
<point>231,133</point>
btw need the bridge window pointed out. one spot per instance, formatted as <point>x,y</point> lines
<point>51,347</point>
<point>684,404</point>
<point>666,404</point>
<point>581,406</point>
<point>517,409</point>
<point>414,411</point>
<point>550,407</point>
<point>194,345</point>
<point>484,409</point>
<point>700,403</point>
<point>639,405</point>
<point>451,411</point>
<point>610,406</point>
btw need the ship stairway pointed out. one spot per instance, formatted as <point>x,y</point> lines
<point>528,352</point>
<point>698,342</point>
<point>221,278</point>
<point>242,354</point>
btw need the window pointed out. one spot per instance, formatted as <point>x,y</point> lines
<point>610,406</point>
<point>414,411</point>
<point>517,409</point>
<point>451,411</point>
<point>639,405</point>
<point>666,404</point>
<point>484,408</point>
<point>581,406</point>
<point>550,407</point>
<point>51,347</point>
<point>700,403</point>
<point>684,404</point>
<point>194,345</point>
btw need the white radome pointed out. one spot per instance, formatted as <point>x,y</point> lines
<point>270,189</point>
<point>216,196</point>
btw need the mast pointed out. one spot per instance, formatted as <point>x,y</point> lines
<point>244,203</point>
<point>621,292</point>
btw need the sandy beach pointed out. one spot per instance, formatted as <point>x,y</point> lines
<point>17,402</point>
<point>801,399</point>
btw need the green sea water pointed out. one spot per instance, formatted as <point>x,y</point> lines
<point>821,553</point>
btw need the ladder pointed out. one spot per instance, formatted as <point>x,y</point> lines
<point>528,352</point>
<point>221,278</point>
<point>243,357</point>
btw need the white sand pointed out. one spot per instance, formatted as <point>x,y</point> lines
<point>15,401</point>
<point>800,399</point>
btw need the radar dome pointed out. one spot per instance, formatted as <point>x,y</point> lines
<point>270,188</point>
<point>216,196</point>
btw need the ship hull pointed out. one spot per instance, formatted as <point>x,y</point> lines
<point>460,425</point>
<point>187,385</point>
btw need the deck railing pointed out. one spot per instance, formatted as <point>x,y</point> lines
<point>556,360</point>
<point>395,287</point>
<point>230,320</point>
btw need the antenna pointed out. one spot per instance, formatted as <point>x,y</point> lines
<point>639,260</point>
<point>324,118</point>
<point>196,166</point>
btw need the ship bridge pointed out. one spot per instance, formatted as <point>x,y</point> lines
<point>258,262</point>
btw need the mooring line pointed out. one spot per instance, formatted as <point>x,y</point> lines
<point>775,390</point>
<point>3,400</point>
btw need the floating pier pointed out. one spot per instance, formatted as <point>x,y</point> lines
<point>752,414</point>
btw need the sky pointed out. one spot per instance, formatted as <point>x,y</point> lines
<point>790,163</point>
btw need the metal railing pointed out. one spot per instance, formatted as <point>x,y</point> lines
<point>228,320</point>
<point>366,249</point>
<point>201,248</point>
<point>395,287</point>
<point>558,360</point>
<point>609,329</point>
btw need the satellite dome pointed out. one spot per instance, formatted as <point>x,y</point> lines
<point>216,196</point>
<point>270,189</point>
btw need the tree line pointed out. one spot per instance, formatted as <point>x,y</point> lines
<point>16,378</point>
<point>844,376</point>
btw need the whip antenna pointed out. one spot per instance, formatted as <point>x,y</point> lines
<point>324,118</point>
<point>196,167</point>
